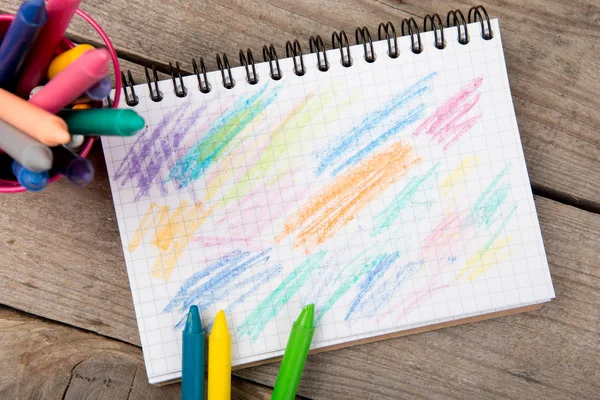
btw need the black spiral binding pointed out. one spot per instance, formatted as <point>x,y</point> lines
<point>363,36</point>
<point>270,56</point>
<point>390,36</point>
<point>295,51</point>
<point>200,73</point>
<point>339,40</point>
<point>251,76</point>
<point>438,30</point>
<point>315,43</point>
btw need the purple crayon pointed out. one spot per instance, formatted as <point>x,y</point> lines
<point>100,90</point>
<point>75,168</point>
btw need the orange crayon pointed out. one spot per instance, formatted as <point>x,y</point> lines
<point>47,128</point>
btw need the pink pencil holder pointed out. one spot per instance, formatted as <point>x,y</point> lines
<point>12,186</point>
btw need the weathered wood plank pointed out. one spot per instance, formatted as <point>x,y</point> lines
<point>46,360</point>
<point>62,257</point>
<point>550,49</point>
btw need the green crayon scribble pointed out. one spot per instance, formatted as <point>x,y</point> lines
<point>391,213</point>
<point>197,160</point>
<point>256,321</point>
<point>285,140</point>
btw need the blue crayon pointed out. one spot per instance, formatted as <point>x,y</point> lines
<point>100,90</point>
<point>192,368</point>
<point>75,168</point>
<point>32,181</point>
<point>19,38</point>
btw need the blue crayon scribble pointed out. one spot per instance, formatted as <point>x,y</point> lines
<point>220,280</point>
<point>208,149</point>
<point>413,116</point>
<point>372,277</point>
<point>372,121</point>
<point>376,290</point>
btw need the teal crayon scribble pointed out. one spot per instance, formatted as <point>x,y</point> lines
<point>193,164</point>
<point>256,321</point>
<point>485,210</point>
<point>497,232</point>
<point>391,213</point>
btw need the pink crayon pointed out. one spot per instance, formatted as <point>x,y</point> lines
<point>60,13</point>
<point>70,83</point>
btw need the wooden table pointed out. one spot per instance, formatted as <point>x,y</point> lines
<point>67,326</point>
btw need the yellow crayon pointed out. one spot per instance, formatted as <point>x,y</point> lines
<point>219,360</point>
<point>65,59</point>
<point>82,106</point>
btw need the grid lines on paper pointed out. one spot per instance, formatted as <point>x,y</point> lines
<point>392,195</point>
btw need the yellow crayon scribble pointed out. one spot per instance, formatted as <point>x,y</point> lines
<point>171,233</point>
<point>482,261</point>
<point>457,179</point>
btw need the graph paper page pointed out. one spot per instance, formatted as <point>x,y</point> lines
<point>391,194</point>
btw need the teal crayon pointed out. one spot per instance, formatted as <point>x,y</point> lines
<point>294,358</point>
<point>192,368</point>
<point>102,122</point>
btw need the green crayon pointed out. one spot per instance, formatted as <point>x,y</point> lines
<point>102,122</point>
<point>295,355</point>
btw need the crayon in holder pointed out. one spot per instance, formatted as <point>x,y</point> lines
<point>12,185</point>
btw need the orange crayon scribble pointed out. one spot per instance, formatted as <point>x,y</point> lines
<point>171,233</point>
<point>337,204</point>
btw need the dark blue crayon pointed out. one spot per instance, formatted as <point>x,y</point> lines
<point>19,38</point>
<point>32,181</point>
<point>75,168</point>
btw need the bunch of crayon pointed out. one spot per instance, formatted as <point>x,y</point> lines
<point>219,357</point>
<point>42,127</point>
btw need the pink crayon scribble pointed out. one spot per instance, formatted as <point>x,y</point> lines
<point>436,252</point>
<point>210,241</point>
<point>258,212</point>
<point>452,120</point>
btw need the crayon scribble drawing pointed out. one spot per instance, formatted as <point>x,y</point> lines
<point>371,210</point>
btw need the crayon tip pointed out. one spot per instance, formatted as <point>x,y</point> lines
<point>32,181</point>
<point>33,12</point>
<point>40,158</point>
<point>220,325</point>
<point>58,134</point>
<point>102,57</point>
<point>130,122</point>
<point>307,317</point>
<point>80,172</point>
<point>194,322</point>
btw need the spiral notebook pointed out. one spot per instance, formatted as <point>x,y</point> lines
<point>384,182</point>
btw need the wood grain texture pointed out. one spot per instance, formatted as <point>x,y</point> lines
<point>550,47</point>
<point>46,360</point>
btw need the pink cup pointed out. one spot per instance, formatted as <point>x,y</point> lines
<point>12,186</point>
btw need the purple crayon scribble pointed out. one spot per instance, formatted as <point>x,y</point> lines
<point>153,149</point>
